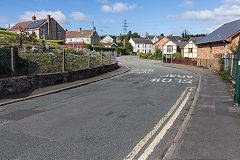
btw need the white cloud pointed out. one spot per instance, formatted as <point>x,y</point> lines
<point>3,20</point>
<point>109,21</point>
<point>211,29</point>
<point>57,15</point>
<point>102,1</point>
<point>228,11</point>
<point>187,4</point>
<point>79,16</point>
<point>117,8</point>
<point>106,9</point>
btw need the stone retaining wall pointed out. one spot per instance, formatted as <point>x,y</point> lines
<point>27,83</point>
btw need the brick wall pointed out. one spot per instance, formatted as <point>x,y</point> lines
<point>160,43</point>
<point>210,54</point>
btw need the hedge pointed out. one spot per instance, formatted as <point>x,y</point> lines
<point>7,32</point>
<point>99,48</point>
<point>61,42</point>
<point>121,50</point>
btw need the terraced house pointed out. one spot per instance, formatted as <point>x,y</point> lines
<point>218,43</point>
<point>43,28</point>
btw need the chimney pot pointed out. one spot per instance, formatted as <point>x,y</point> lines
<point>79,29</point>
<point>66,29</point>
<point>34,18</point>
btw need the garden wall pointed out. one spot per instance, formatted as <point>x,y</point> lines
<point>22,84</point>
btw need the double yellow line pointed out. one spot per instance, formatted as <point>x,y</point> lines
<point>183,98</point>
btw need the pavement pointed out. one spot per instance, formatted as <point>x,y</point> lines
<point>213,131</point>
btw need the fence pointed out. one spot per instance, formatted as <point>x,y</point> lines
<point>230,62</point>
<point>32,61</point>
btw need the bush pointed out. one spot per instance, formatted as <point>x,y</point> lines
<point>99,48</point>
<point>88,46</point>
<point>121,50</point>
<point>177,56</point>
<point>7,32</point>
<point>60,42</point>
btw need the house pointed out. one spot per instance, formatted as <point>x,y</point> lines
<point>169,48</point>
<point>43,28</point>
<point>141,45</point>
<point>218,43</point>
<point>81,37</point>
<point>107,39</point>
<point>154,38</point>
<point>190,48</point>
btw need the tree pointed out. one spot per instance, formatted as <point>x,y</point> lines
<point>185,35</point>
<point>129,48</point>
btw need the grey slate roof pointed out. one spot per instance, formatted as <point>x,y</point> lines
<point>222,33</point>
<point>195,39</point>
<point>174,38</point>
<point>142,41</point>
<point>35,24</point>
<point>181,44</point>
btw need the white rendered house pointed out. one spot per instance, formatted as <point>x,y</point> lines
<point>107,39</point>
<point>141,45</point>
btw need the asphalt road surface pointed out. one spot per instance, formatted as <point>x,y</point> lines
<point>132,116</point>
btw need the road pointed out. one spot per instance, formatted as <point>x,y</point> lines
<point>132,116</point>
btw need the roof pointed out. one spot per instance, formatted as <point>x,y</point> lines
<point>222,33</point>
<point>195,39</point>
<point>79,34</point>
<point>142,40</point>
<point>174,38</point>
<point>35,24</point>
<point>152,36</point>
<point>181,44</point>
<point>19,26</point>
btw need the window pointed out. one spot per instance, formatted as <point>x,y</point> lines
<point>190,50</point>
<point>210,49</point>
<point>70,39</point>
<point>169,49</point>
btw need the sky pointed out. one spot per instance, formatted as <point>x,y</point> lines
<point>151,16</point>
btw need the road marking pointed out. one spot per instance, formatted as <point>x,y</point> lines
<point>163,132</point>
<point>139,146</point>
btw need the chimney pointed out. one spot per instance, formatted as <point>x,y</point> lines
<point>79,29</point>
<point>34,18</point>
<point>48,17</point>
<point>66,29</point>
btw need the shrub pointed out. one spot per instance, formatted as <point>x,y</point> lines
<point>88,46</point>
<point>61,42</point>
<point>99,48</point>
<point>177,56</point>
<point>7,32</point>
<point>121,50</point>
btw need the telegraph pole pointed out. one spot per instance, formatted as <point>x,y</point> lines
<point>125,26</point>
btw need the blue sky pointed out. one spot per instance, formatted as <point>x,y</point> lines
<point>152,16</point>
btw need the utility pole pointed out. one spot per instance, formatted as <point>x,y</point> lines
<point>125,26</point>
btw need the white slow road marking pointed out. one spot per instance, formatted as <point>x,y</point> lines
<point>162,133</point>
<point>139,146</point>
